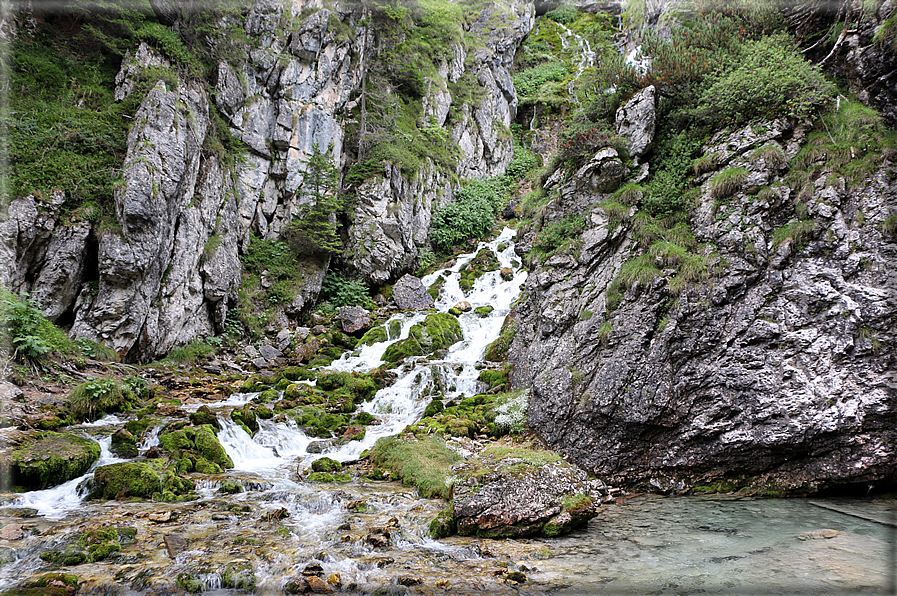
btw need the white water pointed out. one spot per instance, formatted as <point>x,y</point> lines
<point>585,52</point>
<point>54,503</point>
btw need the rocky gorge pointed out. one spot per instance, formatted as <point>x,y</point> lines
<point>256,272</point>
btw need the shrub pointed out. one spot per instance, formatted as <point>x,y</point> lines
<point>728,182</point>
<point>339,291</point>
<point>96,350</point>
<point>24,327</point>
<point>523,162</point>
<point>559,233</point>
<point>564,14</point>
<point>580,145</point>
<point>425,463</point>
<point>528,82</point>
<point>771,79</point>
<point>471,215</point>
<point>93,398</point>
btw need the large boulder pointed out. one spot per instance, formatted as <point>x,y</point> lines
<point>47,459</point>
<point>354,318</point>
<point>436,333</point>
<point>508,492</point>
<point>409,293</point>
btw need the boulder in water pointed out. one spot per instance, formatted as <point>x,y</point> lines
<point>47,459</point>
<point>507,492</point>
<point>354,318</point>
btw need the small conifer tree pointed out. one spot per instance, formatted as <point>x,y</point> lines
<point>316,223</point>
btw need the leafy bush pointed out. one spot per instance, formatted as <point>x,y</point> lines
<point>771,79</point>
<point>528,82</point>
<point>92,399</point>
<point>523,162</point>
<point>559,233</point>
<point>339,291</point>
<point>564,14</point>
<point>96,350</point>
<point>510,412</point>
<point>470,215</point>
<point>25,329</point>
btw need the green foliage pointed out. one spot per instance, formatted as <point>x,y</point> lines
<point>582,139</point>
<point>26,331</point>
<point>471,215</point>
<point>425,463</point>
<point>796,231</point>
<point>889,225</point>
<point>529,82</point>
<point>340,291</point>
<point>523,163</point>
<point>96,350</point>
<point>558,234</point>
<point>665,192</point>
<point>498,350</point>
<point>92,399</point>
<point>728,182</point>
<point>564,14</point>
<point>316,223</point>
<point>770,79</point>
<point>191,353</point>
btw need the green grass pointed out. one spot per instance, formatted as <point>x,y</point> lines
<point>91,399</point>
<point>425,463</point>
<point>796,231</point>
<point>728,182</point>
<point>190,354</point>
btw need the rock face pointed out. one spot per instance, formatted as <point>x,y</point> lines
<point>635,121</point>
<point>772,373</point>
<point>169,269</point>
<point>513,493</point>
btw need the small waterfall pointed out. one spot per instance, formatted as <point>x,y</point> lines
<point>54,503</point>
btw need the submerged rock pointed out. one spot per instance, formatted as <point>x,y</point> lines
<point>506,492</point>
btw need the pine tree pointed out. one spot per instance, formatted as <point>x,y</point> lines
<point>316,222</point>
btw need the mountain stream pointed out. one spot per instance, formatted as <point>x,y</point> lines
<point>281,526</point>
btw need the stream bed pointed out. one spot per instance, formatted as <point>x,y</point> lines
<point>371,536</point>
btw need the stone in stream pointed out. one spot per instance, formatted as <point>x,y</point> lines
<point>409,293</point>
<point>175,543</point>
<point>505,492</point>
<point>46,459</point>
<point>463,306</point>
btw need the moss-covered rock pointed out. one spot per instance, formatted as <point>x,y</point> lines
<point>189,446</point>
<point>373,336</point>
<point>325,477</point>
<point>205,415</point>
<point>476,268</point>
<point>483,311</point>
<point>443,524</point>
<point>325,464</point>
<point>238,576</point>
<point>246,418</point>
<point>48,459</point>
<point>46,579</point>
<point>123,444</point>
<point>129,479</point>
<point>189,583</point>
<point>436,333</point>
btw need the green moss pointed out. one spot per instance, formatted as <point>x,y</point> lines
<point>246,418</point>
<point>401,350</point>
<point>124,444</point>
<point>444,524</point>
<point>204,415</point>
<point>325,464</point>
<point>238,576</point>
<point>483,311</point>
<point>72,555</point>
<point>373,336</point>
<point>494,378</point>
<point>209,447</point>
<point>189,583</point>
<point>230,487</point>
<point>325,477</point>
<point>129,479</point>
<point>51,459</point>
<point>425,463</point>
<point>48,578</point>
<point>476,268</point>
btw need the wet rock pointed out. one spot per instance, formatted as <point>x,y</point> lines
<point>296,585</point>
<point>409,293</point>
<point>319,446</point>
<point>463,306</point>
<point>325,464</point>
<point>123,444</point>
<point>511,491</point>
<point>313,569</point>
<point>283,339</point>
<point>353,318</point>
<point>19,512</point>
<point>169,410</point>
<point>444,524</point>
<point>204,415</point>
<point>319,329</point>
<point>635,121</point>
<point>507,273</point>
<point>318,585</point>
<point>251,351</point>
<point>436,333</point>
<point>238,576</point>
<point>175,544</point>
<point>159,516</point>
<point>12,532</point>
<point>130,479</point>
<point>47,459</point>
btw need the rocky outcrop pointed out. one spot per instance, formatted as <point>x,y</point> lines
<point>515,492</point>
<point>772,372</point>
<point>636,120</point>
<point>409,293</point>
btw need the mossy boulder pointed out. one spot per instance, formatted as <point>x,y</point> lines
<point>325,464</point>
<point>373,336</point>
<point>246,418</point>
<point>204,415</point>
<point>123,444</point>
<point>188,445</point>
<point>444,524</point>
<point>325,477</point>
<point>476,268</point>
<point>47,459</point>
<point>128,479</point>
<point>436,333</point>
<point>238,576</point>
<point>483,311</point>
<point>46,579</point>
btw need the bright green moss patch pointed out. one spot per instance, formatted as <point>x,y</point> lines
<point>326,477</point>
<point>484,261</point>
<point>51,459</point>
<point>373,336</point>
<point>425,463</point>
<point>325,464</point>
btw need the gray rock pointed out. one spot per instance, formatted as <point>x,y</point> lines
<point>512,497</point>
<point>354,318</point>
<point>464,306</point>
<point>251,351</point>
<point>270,352</point>
<point>260,363</point>
<point>635,121</point>
<point>409,294</point>
<point>603,173</point>
<point>283,339</point>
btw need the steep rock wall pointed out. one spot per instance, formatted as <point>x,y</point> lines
<point>777,370</point>
<point>170,269</point>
